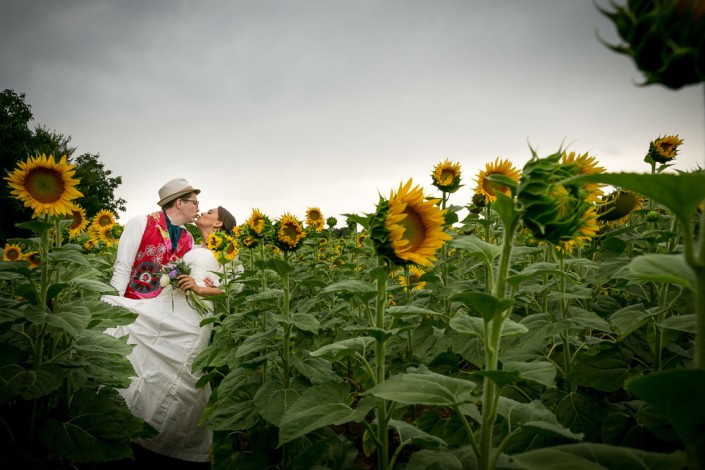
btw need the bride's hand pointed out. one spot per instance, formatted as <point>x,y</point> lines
<point>187,283</point>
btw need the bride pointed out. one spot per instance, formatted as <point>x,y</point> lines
<point>167,336</point>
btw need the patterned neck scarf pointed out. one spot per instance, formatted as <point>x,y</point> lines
<point>174,232</point>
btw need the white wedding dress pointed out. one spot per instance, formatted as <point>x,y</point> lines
<point>167,339</point>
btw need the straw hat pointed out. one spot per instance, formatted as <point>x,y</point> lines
<point>174,189</point>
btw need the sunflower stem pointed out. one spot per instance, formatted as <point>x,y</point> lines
<point>381,412</point>
<point>285,311</point>
<point>493,334</point>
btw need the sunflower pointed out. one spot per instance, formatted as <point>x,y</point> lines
<point>232,250</point>
<point>663,149</point>
<point>44,185</point>
<point>217,241</point>
<point>90,244</point>
<point>617,206</point>
<point>413,282</point>
<point>314,219</point>
<point>586,165</point>
<point>12,253</point>
<point>586,232</point>
<point>257,222</point>
<point>555,210</point>
<point>105,234</point>
<point>407,228</point>
<point>361,239</point>
<point>289,233</point>
<point>33,258</point>
<point>249,241</point>
<point>487,188</point>
<point>78,222</point>
<point>104,218</point>
<point>446,176</point>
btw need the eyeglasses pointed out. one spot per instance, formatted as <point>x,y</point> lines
<point>193,201</point>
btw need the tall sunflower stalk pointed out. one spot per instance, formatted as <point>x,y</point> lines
<point>406,229</point>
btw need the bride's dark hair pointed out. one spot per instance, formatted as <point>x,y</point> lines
<point>227,219</point>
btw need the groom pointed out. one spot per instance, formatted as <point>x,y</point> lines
<point>151,241</point>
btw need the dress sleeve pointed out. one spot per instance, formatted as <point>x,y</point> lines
<point>127,251</point>
<point>203,264</point>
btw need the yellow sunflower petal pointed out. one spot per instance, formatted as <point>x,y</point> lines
<point>487,188</point>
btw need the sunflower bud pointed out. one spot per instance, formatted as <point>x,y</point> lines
<point>446,176</point>
<point>663,149</point>
<point>553,208</point>
<point>664,38</point>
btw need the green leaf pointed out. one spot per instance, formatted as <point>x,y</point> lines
<point>685,323</point>
<point>315,369</point>
<point>352,286</point>
<point>681,193</point>
<point>346,347</point>
<point>47,378</point>
<point>542,372</point>
<point>628,319</point>
<point>272,401</point>
<point>424,388</point>
<point>319,406</point>
<point>399,311</point>
<point>256,343</point>
<point>93,285</point>
<point>474,326</point>
<point>14,379</point>
<point>605,367</point>
<point>487,252</point>
<point>484,305</point>
<point>660,267</point>
<point>411,434</point>
<point>535,417</point>
<point>269,294</point>
<point>279,266</point>
<point>99,428</point>
<point>306,322</point>
<point>678,394</point>
<point>590,456</point>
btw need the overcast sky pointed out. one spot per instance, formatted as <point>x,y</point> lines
<point>285,105</point>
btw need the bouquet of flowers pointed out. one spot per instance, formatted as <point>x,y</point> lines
<point>170,274</point>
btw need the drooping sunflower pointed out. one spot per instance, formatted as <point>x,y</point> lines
<point>44,185</point>
<point>288,233</point>
<point>249,241</point>
<point>257,223</point>
<point>78,222</point>
<point>361,239</point>
<point>33,258</point>
<point>413,282</point>
<point>12,252</point>
<point>586,165</point>
<point>664,149</point>
<point>617,206</point>
<point>407,228</point>
<point>104,218</point>
<point>487,188</point>
<point>314,219</point>
<point>554,208</point>
<point>446,176</point>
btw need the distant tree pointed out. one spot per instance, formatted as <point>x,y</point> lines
<point>15,143</point>
<point>51,143</point>
<point>97,186</point>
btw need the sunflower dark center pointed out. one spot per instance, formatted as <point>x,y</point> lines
<point>45,185</point>
<point>77,219</point>
<point>414,229</point>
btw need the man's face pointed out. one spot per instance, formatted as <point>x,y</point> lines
<point>189,207</point>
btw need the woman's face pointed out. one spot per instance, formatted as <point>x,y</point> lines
<point>208,219</point>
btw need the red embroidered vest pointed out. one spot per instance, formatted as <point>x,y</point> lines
<point>153,253</point>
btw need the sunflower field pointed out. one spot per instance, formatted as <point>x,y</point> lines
<point>559,324</point>
<point>559,321</point>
